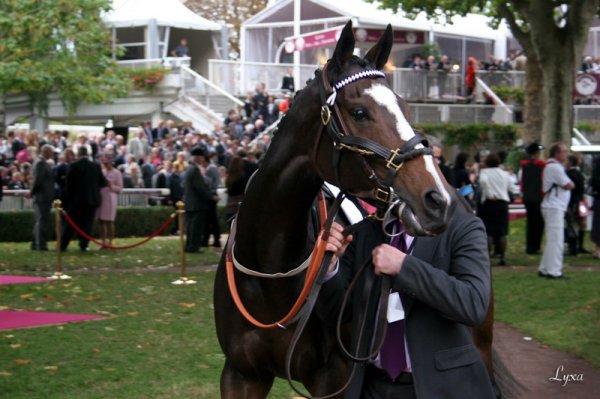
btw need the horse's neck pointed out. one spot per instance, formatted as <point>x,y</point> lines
<point>274,219</point>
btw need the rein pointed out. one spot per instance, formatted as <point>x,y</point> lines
<point>316,259</point>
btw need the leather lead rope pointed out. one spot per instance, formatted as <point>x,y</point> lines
<point>310,304</point>
<point>311,273</point>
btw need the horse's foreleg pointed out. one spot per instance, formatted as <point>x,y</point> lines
<point>329,379</point>
<point>235,385</point>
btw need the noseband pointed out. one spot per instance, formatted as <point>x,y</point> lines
<point>383,194</point>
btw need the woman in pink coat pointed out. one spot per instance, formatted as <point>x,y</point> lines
<point>107,212</point>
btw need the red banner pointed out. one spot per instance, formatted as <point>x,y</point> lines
<point>362,35</point>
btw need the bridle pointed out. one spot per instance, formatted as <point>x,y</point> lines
<point>382,195</point>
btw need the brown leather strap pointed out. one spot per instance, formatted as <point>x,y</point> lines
<point>311,273</point>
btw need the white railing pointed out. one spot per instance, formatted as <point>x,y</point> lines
<point>460,113</point>
<point>586,114</point>
<point>167,62</point>
<point>241,78</point>
<point>204,91</point>
<point>416,85</point>
<point>14,200</point>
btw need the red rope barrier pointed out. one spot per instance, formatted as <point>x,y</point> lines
<point>145,240</point>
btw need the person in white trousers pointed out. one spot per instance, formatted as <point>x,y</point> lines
<point>557,188</point>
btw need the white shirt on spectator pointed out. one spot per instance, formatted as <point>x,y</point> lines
<point>555,175</point>
<point>495,184</point>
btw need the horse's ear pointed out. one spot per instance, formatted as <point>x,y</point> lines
<point>344,48</point>
<point>379,53</point>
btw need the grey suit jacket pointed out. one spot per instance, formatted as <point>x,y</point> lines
<point>445,286</point>
<point>42,188</point>
<point>196,193</point>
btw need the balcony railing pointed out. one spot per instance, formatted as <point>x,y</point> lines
<point>14,200</point>
<point>167,62</point>
<point>241,78</point>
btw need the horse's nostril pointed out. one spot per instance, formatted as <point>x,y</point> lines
<point>435,202</point>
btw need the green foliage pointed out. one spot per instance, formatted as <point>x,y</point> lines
<point>431,49</point>
<point>589,127</point>
<point>134,221</point>
<point>233,13</point>
<point>472,137</point>
<point>61,47</point>
<point>511,95</point>
<point>514,158</point>
<point>146,79</point>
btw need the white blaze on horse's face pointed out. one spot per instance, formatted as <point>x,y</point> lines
<point>386,98</point>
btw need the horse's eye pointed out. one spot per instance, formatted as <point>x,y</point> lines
<point>359,114</point>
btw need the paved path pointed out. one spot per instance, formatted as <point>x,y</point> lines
<point>533,365</point>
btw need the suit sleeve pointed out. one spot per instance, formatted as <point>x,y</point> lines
<point>199,185</point>
<point>332,293</point>
<point>38,175</point>
<point>462,293</point>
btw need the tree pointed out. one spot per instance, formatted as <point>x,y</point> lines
<point>233,12</point>
<point>58,46</point>
<point>552,34</point>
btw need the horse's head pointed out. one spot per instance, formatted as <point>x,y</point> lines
<point>376,154</point>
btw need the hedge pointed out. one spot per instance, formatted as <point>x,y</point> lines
<point>17,226</point>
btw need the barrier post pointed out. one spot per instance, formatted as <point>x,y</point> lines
<point>58,274</point>
<point>183,280</point>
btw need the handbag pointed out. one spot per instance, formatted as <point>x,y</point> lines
<point>583,209</point>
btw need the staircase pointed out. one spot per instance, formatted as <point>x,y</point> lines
<point>201,102</point>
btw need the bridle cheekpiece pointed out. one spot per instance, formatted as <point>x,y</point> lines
<point>383,195</point>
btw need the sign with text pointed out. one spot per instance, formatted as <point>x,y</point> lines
<point>587,85</point>
<point>362,35</point>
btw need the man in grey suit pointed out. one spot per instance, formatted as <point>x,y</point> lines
<point>197,197</point>
<point>42,191</point>
<point>440,288</point>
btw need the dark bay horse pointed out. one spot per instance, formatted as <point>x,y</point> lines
<point>346,127</point>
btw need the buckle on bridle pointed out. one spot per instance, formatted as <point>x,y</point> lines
<point>390,162</point>
<point>325,115</point>
<point>381,195</point>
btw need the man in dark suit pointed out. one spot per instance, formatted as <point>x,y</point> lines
<point>530,179</point>
<point>197,197</point>
<point>441,287</point>
<point>287,83</point>
<point>43,192</point>
<point>83,183</point>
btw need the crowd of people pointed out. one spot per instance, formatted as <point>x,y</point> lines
<point>436,78</point>
<point>174,156</point>
<point>515,61</point>
<point>164,155</point>
<point>552,191</point>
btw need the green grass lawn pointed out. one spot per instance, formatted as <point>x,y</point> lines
<point>160,252</point>
<point>158,340</point>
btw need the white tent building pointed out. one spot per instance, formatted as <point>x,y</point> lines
<point>273,35</point>
<point>151,29</point>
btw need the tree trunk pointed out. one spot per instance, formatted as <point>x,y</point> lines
<point>533,107</point>
<point>558,36</point>
<point>559,78</point>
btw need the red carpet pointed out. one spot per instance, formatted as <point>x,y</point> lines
<point>21,279</point>
<point>10,319</point>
